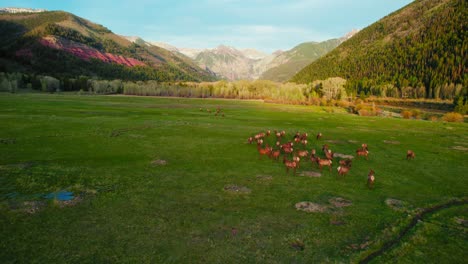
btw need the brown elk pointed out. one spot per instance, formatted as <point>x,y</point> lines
<point>287,150</point>
<point>319,136</point>
<point>410,154</point>
<point>268,133</point>
<point>303,153</point>
<point>260,136</point>
<point>346,162</point>
<point>274,154</point>
<point>304,136</point>
<point>329,154</point>
<point>362,152</point>
<point>250,140</point>
<point>325,148</point>
<point>290,165</point>
<point>264,151</point>
<point>324,162</point>
<point>304,142</point>
<point>364,146</point>
<point>371,179</point>
<point>343,170</point>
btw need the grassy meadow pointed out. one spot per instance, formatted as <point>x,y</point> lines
<point>151,176</point>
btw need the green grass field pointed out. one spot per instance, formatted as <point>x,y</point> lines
<point>134,211</point>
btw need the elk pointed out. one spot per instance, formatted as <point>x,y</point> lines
<point>287,150</point>
<point>362,152</point>
<point>278,135</point>
<point>319,135</point>
<point>264,151</point>
<point>260,136</point>
<point>304,142</point>
<point>290,165</point>
<point>364,146</point>
<point>329,154</point>
<point>343,170</point>
<point>250,140</point>
<point>371,179</point>
<point>304,136</point>
<point>274,154</point>
<point>325,148</point>
<point>346,162</point>
<point>268,133</point>
<point>324,162</point>
<point>410,154</point>
<point>302,153</point>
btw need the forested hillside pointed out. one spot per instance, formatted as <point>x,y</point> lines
<point>419,51</point>
<point>65,46</point>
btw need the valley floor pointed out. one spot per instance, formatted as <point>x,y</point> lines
<point>164,180</point>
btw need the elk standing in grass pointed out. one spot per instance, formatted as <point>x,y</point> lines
<point>290,165</point>
<point>343,170</point>
<point>263,151</point>
<point>324,162</point>
<point>410,155</point>
<point>371,179</point>
<point>362,152</point>
<point>319,135</point>
<point>274,154</point>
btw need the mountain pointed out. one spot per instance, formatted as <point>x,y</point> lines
<point>253,54</point>
<point>14,10</point>
<point>288,63</point>
<point>227,62</point>
<point>423,45</point>
<point>63,45</point>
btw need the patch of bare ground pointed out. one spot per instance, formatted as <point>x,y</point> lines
<point>78,199</point>
<point>311,207</point>
<point>352,141</point>
<point>392,142</point>
<point>29,207</point>
<point>396,205</point>
<point>311,174</point>
<point>335,203</point>
<point>232,188</point>
<point>461,221</point>
<point>343,156</point>
<point>340,202</point>
<point>462,148</point>
<point>338,142</point>
<point>264,177</point>
<point>158,162</point>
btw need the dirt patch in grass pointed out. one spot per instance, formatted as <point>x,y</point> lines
<point>352,141</point>
<point>461,221</point>
<point>310,207</point>
<point>336,141</point>
<point>462,148</point>
<point>29,207</point>
<point>392,142</point>
<point>311,174</point>
<point>158,162</point>
<point>232,188</point>
<point>78,199</point>
<point>7,141</point>
<point>343,156</point>
<point>298,245</point>
<point>340,202</point>
<point>264,177</point>
<point>396,205</point>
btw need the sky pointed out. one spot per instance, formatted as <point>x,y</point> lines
<point>266,25</point>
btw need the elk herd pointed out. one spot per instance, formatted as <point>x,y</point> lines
<point>294,151</point>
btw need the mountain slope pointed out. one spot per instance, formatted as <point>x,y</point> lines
<point>64,45</point>
<point>422,45</point>
<point>292,61</point>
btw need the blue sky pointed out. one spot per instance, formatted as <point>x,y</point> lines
<point>267,25</point>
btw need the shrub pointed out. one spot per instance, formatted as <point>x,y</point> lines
<point>453,117</point>
<point>416,114</point>
<point>406,114</point>
<point>433,118</point>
